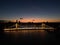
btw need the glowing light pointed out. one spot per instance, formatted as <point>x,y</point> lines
<point>35,20</point>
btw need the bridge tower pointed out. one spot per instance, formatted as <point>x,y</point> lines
<point>43,25</point>
<point>16,24</point>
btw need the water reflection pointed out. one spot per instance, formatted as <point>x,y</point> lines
<point>27,32</point>
<point>29,36</point>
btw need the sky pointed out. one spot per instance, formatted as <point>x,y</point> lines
<point>29,10</point>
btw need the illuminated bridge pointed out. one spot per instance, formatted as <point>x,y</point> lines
<point>17,26</point>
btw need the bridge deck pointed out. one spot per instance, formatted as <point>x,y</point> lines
<point>29,28</point>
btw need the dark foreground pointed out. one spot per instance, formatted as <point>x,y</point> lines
<point>29,38</point>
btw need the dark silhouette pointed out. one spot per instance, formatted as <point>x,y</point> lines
<point>1,27</point>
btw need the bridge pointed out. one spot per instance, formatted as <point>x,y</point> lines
<point>16,26</point>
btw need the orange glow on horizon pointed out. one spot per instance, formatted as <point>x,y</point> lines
<point>36,20</point>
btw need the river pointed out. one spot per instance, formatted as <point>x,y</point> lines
<point>28,37</point>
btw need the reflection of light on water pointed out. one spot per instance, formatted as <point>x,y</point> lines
<point>26,31</point>
<point>41,32</point>
<point>16,34</point>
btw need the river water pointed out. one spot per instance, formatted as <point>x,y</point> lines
<point>28,37</point>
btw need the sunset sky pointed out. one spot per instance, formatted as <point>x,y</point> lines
<point>29,10</point>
